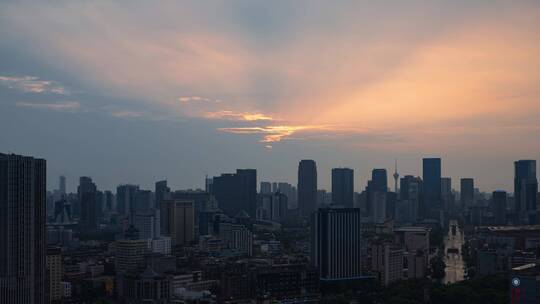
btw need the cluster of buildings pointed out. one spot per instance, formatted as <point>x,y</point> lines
<point>238,241</point>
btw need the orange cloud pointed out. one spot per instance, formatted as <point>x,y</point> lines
<point>273,134</point>
<point>242,116</point>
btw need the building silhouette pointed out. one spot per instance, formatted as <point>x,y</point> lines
<point>343,187</point>
<point>236,192</point>
<point>467,192</point>
<point>126,196</point>
<point>180,223</point>
<point>498,206</point>
<point>62,184</point>
<point>307,186</point>
<point>87,192</point>
<point>379,180</point>
<point>336,243</point>
<point>431,175</point>
<point>22,229</point>
<point>410,199</point>
<point>525,190</point>
<point>162,192</point>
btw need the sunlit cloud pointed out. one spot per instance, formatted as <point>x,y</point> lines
<point>272,134</point>
<point>241,116</point>
<point>56,106</point>
<point>31,84</point>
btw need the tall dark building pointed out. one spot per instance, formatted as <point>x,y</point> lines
<point>62,184</point>
<point>467,192</point>
<point>162,192</point>
<point>498,206</point>
<point>126,196</point>
<point>525,187</point>
<point>446,194</point>
<point>411,194</point>
<point>336,243</point>
<point>343,187</point>
<point>88,199</point>
<point>432,186</point>
<point>379,180</point>
<point>236,192</point>
<point>109,201</point>
<point>307,186</point>
<point>22,229</point>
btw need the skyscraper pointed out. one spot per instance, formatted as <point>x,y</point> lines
<point>109,201</point>
<point>432,186</point>
<point>525,188</point>
<point>22,229</point>
<point>162,192</point>
<point>87,197</point>
<point>336,243</point>
<point>410,193</point>
<point>307,186</point>
<point>62,184</point>
<point>266,188</point>
<point>379,180</point>
<point>446,194</point>
<point>343,187</point>
<point>467,192</point>
<point>125,199</point>
<point>236,192</point>
<point>181,221</point>
<point>498,206</point>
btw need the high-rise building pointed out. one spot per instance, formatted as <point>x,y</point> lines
<point>498,206</point>
<point>236,192</point>
<point>62,184</point>
<point>54,271</point>
<point>266,188</point>
<point>379,180</point>
<point>431,168</point>
<point>343,187</point>
<point>525,189</point>
<point>148,224</point>
<point>109,201</point>
<point>290,191</point>
<point>143,202</point>
<point>162,192</point>
<point>272,207</point>
<point>87,191</point>
<point>467,192</point>
<point>180,222</point>
<point>336,243</point>
<point>22,229</point>
<point>446,193</point>
<point>408,206</point>
<point>307,186</point>
<point>125,199</point>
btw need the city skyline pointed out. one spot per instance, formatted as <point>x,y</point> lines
<point>138,93</point>
<point>53,182</point>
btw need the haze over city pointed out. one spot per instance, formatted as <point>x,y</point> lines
<point>136,92</point>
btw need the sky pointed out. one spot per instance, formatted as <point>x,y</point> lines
<point>136,91</point>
